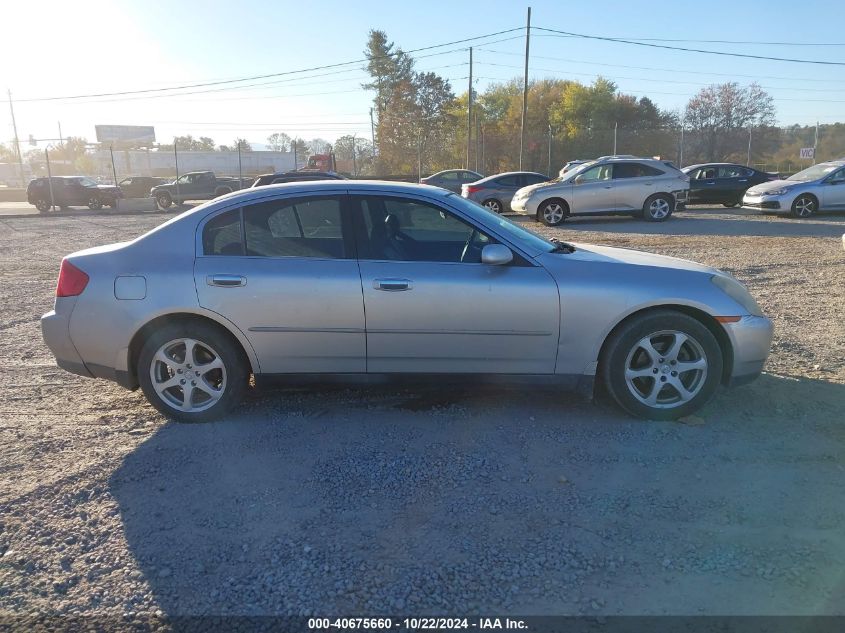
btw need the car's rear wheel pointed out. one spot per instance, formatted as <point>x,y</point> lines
<point>42,205</point>
<point>494,205</point>
<point>222,191</point>
<point>730,204</point>
<point>658,207</point>
<point>94,203</point>
<point>552,212</point>
<point>804,206</point>
<point>192,372</point>
<point>164,200</point>
<point>661,365</point>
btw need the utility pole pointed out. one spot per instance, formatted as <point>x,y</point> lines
<point>240,168</point>
<point>816,143</point>
<point>469,110</point>
<point>615,129</point>
<point>61,138</point>
<point>681,152</point>
<point>17,140</point>
<point>176,157</point>
<point>525,89</point>
<point>748,159</point>
<point>372,132</point>
<point>549,170</point>
<point>50,179</point>
<point>113,170</point>
<point>477,135</point>
<point>419,156</point>
<point>481,136</point>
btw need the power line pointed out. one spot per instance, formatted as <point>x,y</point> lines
<point>743,42</point>
<point>668,70</point>
<point>269,75</point>
<point>690,50</point>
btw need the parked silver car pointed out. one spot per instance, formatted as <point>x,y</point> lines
<point>340,277</point>
<point>643,187</point>
<point>496,192</point>
<point>451,179</point>
<point>817,188</point>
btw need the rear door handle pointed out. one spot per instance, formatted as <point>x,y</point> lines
<point>392,285</point>
<point>226,281</point>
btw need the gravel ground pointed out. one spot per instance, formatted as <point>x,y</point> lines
<point>421,500</point>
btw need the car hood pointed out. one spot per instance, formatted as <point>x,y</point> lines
<point>527,191</point>
<point>611,254</point>
<point>773,185</point>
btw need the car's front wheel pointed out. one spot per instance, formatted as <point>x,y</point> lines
<point>658,208</point>
<point>730,205</point>
<point>661,365</point>
<point>804,206</point>
<point>42,205</point>
<point>192,372</point>
<point>94,203</point>
<point>552,212</point>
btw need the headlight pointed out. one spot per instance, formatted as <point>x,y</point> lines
<point>776,192</point>
<point>738,293</point>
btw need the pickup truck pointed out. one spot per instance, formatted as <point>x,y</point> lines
<point>195,185</point>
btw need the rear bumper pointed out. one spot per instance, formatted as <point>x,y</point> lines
<point>752,339</point>
<point>55,332</point>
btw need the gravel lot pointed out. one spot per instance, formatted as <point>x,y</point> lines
<point>422,500</point>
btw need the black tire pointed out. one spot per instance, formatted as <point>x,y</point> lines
<point>730,205</point>
<point>222,191</point>
<point>494,205</point>
<point>622,349</point>
<point>164,199</point>
<point>235,369</point>
<point>94,203</point>
<point>658,208</point>
<point>804,206</point>
<point>42,205</point>
<point>553,212</point>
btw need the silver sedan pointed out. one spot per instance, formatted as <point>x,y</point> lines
<point>339,277</point>
<point>817,188</point>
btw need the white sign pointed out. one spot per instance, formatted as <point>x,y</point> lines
<point>808,152</point>
<point>106,133</point>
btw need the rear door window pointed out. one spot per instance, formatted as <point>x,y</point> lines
<point>305,227</point>
<point>509,181</point>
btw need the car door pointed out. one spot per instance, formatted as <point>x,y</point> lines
<point>433,307</point>
<point>731,183</point>
<point>284,272</point>
<point>592,190</point>
<point>704,185</point>
<point>833,191</point>
<point>632,184</point>
<point>504,187</point>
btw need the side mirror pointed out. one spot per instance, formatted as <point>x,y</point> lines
<point>578,180</point>
<point>496,255</point>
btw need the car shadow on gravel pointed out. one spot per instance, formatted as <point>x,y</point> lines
<point>733,223</point>
<point>489,499</point>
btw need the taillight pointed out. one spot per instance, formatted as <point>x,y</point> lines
<point>473,188</point>
<point>72,281</point>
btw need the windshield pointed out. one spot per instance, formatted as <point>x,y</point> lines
<point>513,230</point>
<point>87,182</point>
<point>569,175</point>
<point>814,173</point>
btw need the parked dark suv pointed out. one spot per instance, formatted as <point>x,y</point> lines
<point>139,186</point>
<point>295,176</point>
<point>71,191</point>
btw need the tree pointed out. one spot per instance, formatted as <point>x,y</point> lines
<point>279,142</point>
<point>7,154</point>
<point>719,118</point>
<point>242,144</point>
<point>320,146</point>
<point>300,146</point>
<point>387,66</point>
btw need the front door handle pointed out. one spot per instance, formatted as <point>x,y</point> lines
<point>392,285</point>
<point>226,281</point>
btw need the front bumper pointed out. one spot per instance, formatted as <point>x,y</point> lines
<point>752,339</point>
<point>524,206</point>
<point>764,202</point>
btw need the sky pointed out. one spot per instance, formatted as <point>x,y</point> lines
<point>98,46</point>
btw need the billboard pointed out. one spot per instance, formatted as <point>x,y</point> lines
<point>807,152</point>
<point>110,133</point>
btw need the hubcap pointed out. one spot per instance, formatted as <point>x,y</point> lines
<point>659,208</point>
<point>804,206</point>
<point>188,375</point>
<point>493,206</point>
<point>666,369</point>
<point>553,213</point>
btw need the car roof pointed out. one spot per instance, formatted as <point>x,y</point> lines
<point>449,171</point>
<point>512,173</point>
<point>312,186</point>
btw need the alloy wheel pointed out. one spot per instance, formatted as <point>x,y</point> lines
<point>188,375</point>
<point>666,369</point>
<point>494,206</point>
<point>659,208</point>
<point>804,207</point>
<point>553,213</point>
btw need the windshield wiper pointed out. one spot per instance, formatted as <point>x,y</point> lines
<point>562,247</point>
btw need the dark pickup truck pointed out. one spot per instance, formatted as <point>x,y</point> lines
<point>195,185</point>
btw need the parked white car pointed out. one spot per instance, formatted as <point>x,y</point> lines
<point>643,187</point>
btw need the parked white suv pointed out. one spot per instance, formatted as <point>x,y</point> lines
<point>643,187</point>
